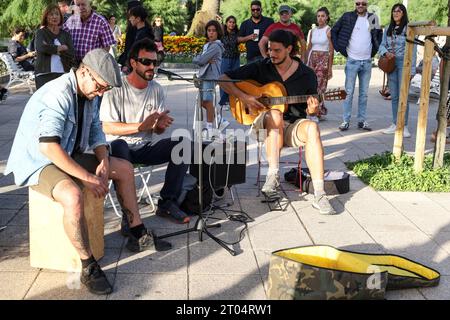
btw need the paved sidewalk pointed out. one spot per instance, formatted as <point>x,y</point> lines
<point>415,225</point>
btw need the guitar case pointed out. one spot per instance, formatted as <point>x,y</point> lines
<point>327,273</point>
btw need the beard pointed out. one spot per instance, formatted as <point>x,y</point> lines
<point>278,63</point>
<point>147,75</point>
<point>256,15</point>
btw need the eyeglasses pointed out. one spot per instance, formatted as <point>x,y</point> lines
<point>147,61</point>
<point>98,86</point>
<point>361,4</point>
<point>256,9</point>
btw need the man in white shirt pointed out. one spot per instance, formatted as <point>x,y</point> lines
<point>131,115</point>
<point>357,35</point>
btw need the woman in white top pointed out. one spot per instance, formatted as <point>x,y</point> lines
<point>321,53</point>
<point>117,34</point>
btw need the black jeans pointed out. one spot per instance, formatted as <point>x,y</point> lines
<point>156,154</point>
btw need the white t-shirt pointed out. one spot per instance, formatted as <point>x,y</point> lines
<point>56,65</point>
<point>128,104</point>
<point>319,39</point>
<point>360,45</point>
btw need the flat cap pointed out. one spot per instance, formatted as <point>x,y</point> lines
<point>103,64</point>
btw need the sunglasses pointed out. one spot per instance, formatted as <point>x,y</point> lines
<point>147,61</point>
<point>256,10</point>
<point>98,86</point>
<point>361,4</point>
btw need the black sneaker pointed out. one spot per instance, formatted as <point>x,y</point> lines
<point>3,94</point>
<point>147,241</point>
<point>172,212</point>
<point>125,226</point>
<point>363,125</point>
<point>344,126</point>
<point>95,279</point>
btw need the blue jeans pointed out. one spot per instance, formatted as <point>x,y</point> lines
<point>394,84</point>
<point>156,154</point>
<point>362,69</point>
<point>227,65</point>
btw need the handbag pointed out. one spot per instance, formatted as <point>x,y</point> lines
<point>387,64</point>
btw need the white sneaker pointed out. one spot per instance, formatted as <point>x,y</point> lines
<point>391,129</point>
<point>223,125</point>
<point>406,133</point>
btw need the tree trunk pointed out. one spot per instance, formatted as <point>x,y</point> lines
<point>439,147</point>
<point>209,10</point>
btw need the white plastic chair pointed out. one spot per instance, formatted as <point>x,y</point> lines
<point>16,72</point>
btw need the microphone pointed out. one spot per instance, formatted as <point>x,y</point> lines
<point>167,72</point>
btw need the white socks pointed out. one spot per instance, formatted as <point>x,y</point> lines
<point>272,171</point>
<point>318,188</point>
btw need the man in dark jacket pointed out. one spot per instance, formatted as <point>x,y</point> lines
<point>357,35</point>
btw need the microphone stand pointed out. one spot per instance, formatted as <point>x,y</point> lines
<point>201,225</point>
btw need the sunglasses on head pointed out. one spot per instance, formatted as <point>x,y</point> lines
<point>147,62</point>
<point>256,9</point>
<point>361,4</point>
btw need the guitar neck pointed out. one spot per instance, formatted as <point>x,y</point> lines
<point>293,99</point>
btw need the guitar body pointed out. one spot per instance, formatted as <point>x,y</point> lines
<point>242,113</point>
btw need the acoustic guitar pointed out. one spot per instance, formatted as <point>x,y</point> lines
<point>273,96</point>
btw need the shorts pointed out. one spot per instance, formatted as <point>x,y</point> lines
<point>208,90</point>
<point>51,175</point>
<point>290,137</point>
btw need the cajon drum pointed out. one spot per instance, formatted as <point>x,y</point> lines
<point>50,248</point>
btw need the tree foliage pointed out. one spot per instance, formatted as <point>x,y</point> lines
<point>173,12</point>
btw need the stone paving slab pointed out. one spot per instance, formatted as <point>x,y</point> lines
<point>226,287</point>
<point>15,284</point>
<point>149,287</point>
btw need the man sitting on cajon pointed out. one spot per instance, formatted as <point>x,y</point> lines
<point>59,123</point>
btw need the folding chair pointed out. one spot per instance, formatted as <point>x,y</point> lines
<point>144,173</point>
<point>16,72</point>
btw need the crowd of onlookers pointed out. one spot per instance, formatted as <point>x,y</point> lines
<point>66,33</point>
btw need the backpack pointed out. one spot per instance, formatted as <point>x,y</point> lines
<point>190,203</point>
<point>335,182</point>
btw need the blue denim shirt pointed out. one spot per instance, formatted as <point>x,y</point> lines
<point>50,112</point>
<point>399,43</point>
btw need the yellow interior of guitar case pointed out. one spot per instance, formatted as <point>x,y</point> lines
<point>331,258</point>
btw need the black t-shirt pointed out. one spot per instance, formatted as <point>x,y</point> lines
<point>80,113</point>
<point>144,32</point>
<point>302,82</point>
<point>247,27</point>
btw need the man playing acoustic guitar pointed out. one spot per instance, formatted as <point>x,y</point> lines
<point>291,128</point>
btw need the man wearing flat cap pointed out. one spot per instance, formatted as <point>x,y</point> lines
<point>59,124</point>
<point>285,23</point>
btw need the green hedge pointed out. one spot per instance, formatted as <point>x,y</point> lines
<point>384,173</point>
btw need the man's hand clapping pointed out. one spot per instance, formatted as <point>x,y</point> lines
<point>149,122</point>
<point>164,121</point>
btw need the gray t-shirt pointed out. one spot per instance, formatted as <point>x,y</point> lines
<point>128,104</point>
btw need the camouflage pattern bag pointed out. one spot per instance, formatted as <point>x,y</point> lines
<point>325,273</point>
